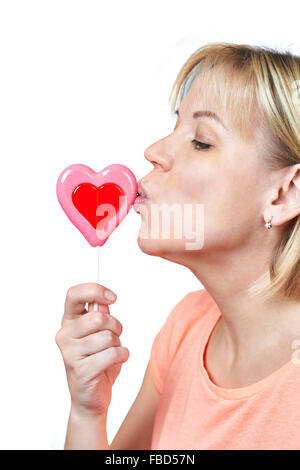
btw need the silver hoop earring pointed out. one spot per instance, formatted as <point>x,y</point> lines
<point>268,224</point>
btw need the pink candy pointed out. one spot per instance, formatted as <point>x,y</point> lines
<point>96,202</point>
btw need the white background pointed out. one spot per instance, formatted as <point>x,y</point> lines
<point>88,82</point>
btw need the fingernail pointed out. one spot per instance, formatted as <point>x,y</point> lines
<point>109,295</point>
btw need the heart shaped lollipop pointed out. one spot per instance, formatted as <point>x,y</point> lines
<point>96,202</point>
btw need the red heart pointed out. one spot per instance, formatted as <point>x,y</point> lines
<point>84,193</point>
<point>86,198</point>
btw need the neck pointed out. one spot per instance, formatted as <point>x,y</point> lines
<point>248,322</point>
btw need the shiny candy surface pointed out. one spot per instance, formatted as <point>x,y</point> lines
<point>96,202</point>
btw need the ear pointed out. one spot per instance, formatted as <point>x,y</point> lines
<point>285,203</point>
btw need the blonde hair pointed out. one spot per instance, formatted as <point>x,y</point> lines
<point>260,89</point>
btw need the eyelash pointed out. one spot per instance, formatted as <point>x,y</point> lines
<point>196,143</point>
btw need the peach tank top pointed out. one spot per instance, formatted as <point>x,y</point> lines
<point>194,413</point>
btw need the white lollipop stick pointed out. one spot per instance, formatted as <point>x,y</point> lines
<point>96,306</point>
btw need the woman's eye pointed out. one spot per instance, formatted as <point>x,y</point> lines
<point>200,145</point>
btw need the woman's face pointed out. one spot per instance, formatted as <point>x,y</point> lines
<point>217,184</point>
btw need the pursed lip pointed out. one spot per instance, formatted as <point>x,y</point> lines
<point>141,190</point>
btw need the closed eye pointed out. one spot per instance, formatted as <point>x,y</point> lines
<point>202,145</point>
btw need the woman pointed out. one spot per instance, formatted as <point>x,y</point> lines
<point>224,372</point>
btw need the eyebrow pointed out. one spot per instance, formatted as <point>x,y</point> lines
<point>206,114</point>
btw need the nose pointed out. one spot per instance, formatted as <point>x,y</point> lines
<point>157,155</point>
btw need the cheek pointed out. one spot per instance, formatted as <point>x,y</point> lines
<point>199,184</point>
<point>192,183</point>
<point>232,201</point>
<point>226,191</point>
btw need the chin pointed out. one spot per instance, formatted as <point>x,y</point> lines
<point>168,249</point>
<point>149,247</point>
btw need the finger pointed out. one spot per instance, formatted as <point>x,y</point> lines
<point>97,342</point>
<point>92,322</point>
<point>77,296</point>
<point>101,308</point>
<point>97,363</point>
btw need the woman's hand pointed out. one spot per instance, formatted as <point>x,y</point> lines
<point>91,348</point>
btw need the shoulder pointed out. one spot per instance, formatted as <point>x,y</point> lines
<point>192,309</point>
<point>193,305</point>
